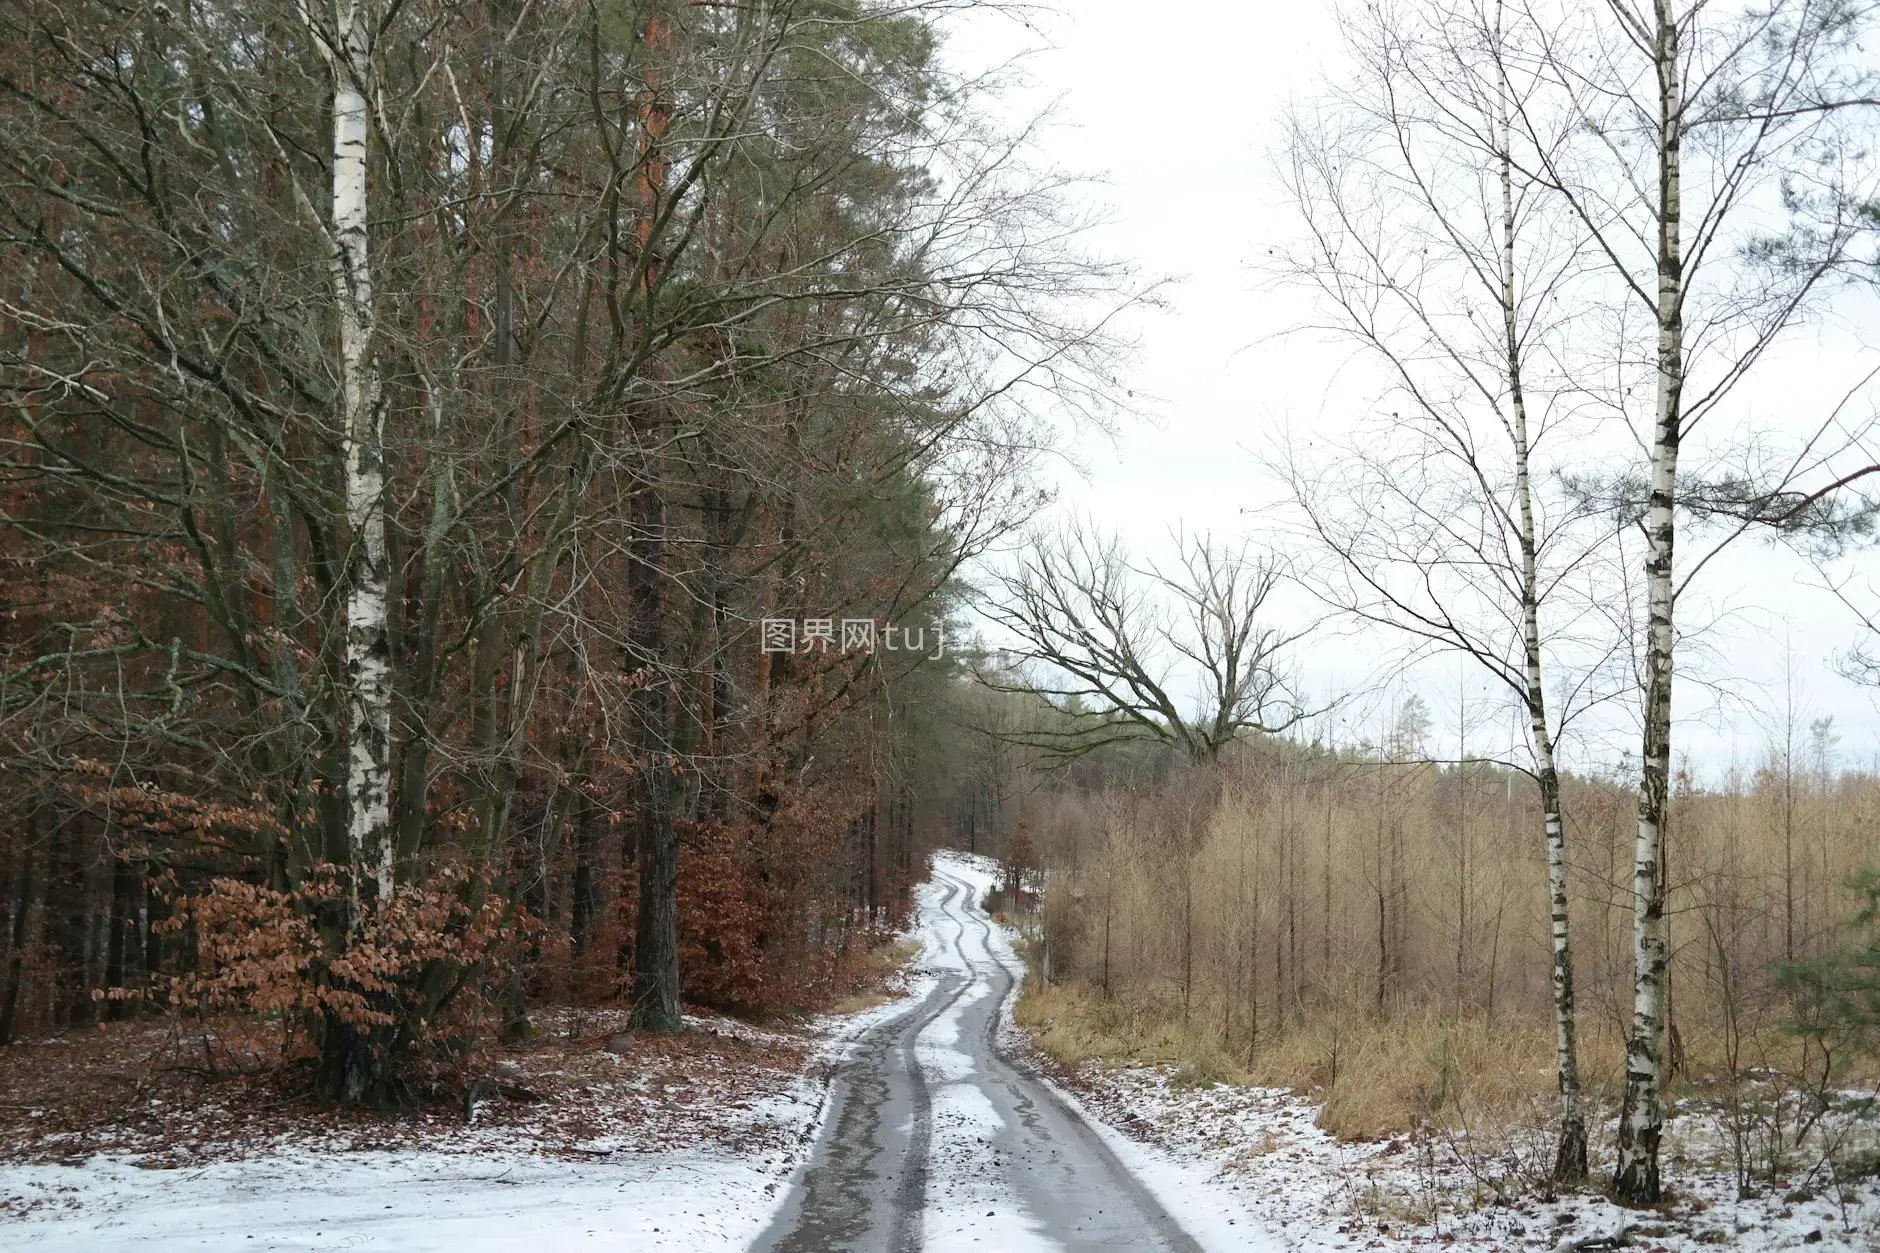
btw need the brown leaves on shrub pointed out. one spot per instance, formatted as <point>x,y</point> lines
<point>768,917</point>
<point>400,970</point>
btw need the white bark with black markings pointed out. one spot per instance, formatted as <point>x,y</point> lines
<point>346,38</point>
<point>1641,1125</point>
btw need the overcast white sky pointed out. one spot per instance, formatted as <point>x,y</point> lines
<point>1178,111</point>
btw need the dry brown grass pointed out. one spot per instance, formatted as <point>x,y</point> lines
<point>877,977</point>
<point>1373,1078</point>
<point>1378,1078</point>
<point>1074,1025</point>
<point>1381,1077</point>
<point>1402,898</point>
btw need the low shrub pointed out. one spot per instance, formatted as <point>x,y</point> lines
<point>390,998</point>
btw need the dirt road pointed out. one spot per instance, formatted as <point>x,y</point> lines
<point>937,1142</point>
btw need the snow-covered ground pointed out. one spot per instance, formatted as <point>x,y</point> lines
<point>1263,1148</point>
<point>1305,1189</point>
<point>408,1201</point>
<point>566,1180</point>
<point>534,1183</point>
<point>500,1189</point>
<point>1238,1169</point>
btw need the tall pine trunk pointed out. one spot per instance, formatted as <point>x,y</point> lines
<point>656,936</point>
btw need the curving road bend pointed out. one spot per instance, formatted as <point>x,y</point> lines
<point>936,1142</point>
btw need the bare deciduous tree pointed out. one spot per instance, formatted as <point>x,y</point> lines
<point>1113,641</point>
<point>415,406</point>
<point>1686,120</point>
<point>1428,248</point>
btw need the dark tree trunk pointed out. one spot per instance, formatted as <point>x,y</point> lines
<point>355,1068</point>
<point>656,934</point>
<point>66,917</point>
<point>583,899</point>
<point>123,889</point>
<point>16,956</point>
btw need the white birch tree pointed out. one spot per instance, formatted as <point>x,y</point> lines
<point>1685,120</point>
<point>1427,247</point>
<point>345,35</point>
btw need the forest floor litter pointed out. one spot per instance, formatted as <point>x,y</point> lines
<point>679,1143</point>
<point>589,1133</point>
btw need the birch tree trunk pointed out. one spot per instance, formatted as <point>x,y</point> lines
<point>1570,1155</point>
<point>348,47</point>
<point>1636,1179</point>
<point>352,1069</point>
<point>1428,68</point>
<point>1570,1152</point>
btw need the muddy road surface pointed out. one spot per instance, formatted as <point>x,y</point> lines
<point>936,1142</point>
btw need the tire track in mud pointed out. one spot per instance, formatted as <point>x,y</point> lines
<point>1028,1090</point>
<point>910,1197</point>
<point>852,1198</point>
<point>838,1206</point>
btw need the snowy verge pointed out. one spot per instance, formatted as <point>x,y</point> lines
<point>1263,1151</point>
<point>682,1144</point>
<point>420,1202</point>
<point>1250,1169</point>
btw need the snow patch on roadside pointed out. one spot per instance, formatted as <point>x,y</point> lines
<point>1193,1194</point>
<point>415,1202</point>
<point>1263,1147</point>
<point>953,1225</point>
<point>492,1190</point>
